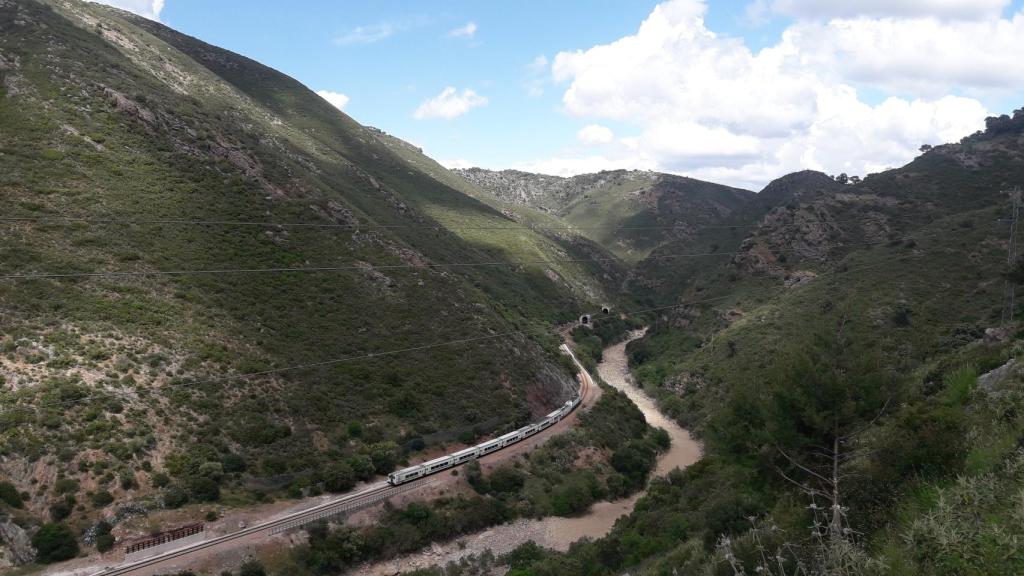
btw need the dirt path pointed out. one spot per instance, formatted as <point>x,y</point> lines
<point>554,532</point>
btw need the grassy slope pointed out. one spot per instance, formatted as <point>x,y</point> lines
<point>107,115</point>
<point>642,202</point>
<point>666,200</point>
<point>520,232</point>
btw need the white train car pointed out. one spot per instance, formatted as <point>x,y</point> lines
<point>474,452</point>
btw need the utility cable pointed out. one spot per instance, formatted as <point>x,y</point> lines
<point>277,370</point>
<point>230,377</point>
<point>57,275</point>
<point>361,226</point>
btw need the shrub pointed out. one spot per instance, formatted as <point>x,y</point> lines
<point>526,554</point>
<point>339,477</point>
<point>362,466</point>
<point>252,568</point>
<point>65,486</point>
<point>506,479</point>
<point>203,489</point>
<point>175,497</point>
<point>661,438</point>
<point>104,542</point>
<point>54,542</point>
<point>104,539</point>
<point>128,481</point>
<point>233,463</point>
<point>475,477</point>
<point>102,498</point>
<point>382,455</point>
<point>634,460</point>
<point>9,494</point>
<point>62,508</point>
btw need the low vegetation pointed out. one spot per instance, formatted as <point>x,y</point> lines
<point>609,455</point>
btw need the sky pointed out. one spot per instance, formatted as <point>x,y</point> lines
<point>738,92</point>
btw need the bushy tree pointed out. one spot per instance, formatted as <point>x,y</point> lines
<point>175,497</point>
<point>819,399</point>
<point>362,466</point>
<point>203,489</point>
<point>383,456</point>
<point>506,479</point>
<point>54,542</point>
<point>339,477</point>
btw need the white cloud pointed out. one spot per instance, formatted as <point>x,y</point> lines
<point>337,99</point>
<point>709,106</point>
<point>449,104</point>
<point>594,135</point>
<point>917,56</point>
<point>956,9</point>
<point>147,8</point>
<point>466,31</point>
<point>366,34</point>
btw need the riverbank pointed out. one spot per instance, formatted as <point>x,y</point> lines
<point>556,532</point>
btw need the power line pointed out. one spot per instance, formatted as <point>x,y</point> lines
<point>597,318</point>
<point>367,226</point>
<point>230,377</point>
<point>278,370</point>
<point>58,275</point>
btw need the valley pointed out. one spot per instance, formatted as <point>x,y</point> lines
<point>226,301</point>
<point>558,533</point>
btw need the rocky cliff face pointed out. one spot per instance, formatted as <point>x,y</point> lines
<point>15,545</point>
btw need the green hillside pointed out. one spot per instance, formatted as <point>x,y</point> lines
<point>630,213</point>
<point>835,360</point>
<point>169,154</point>
<point>520,231</point>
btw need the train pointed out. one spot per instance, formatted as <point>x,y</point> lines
<point>462,456</point>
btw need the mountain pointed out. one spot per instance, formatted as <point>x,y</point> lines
<point>591,271</point>
<point>629,213</point>
<point>796,187</point>
<point>853,367</point>
<point>217,286</point>
<point>128,151</point>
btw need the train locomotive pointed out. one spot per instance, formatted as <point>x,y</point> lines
<point>462,456</point>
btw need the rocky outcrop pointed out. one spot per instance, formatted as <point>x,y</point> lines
<point>990,382</point>
<point>15,545</point>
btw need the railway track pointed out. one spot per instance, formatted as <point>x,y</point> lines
<point>349,503</point>
<point>367,497</point>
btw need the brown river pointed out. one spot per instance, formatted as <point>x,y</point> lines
<point>554,532</point>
